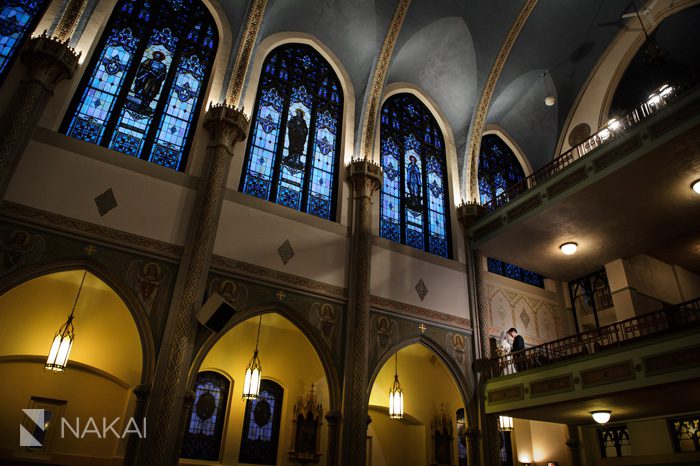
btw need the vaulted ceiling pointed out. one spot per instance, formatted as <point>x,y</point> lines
<point>447,48</point>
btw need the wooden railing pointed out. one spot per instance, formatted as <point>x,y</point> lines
<point>667,320</point>
<point>658,100</point>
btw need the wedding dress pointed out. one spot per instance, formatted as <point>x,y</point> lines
<point>506,343</point>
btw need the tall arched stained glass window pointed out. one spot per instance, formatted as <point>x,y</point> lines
<point>295,139</point>
<point>205,427</point>
<point>499,169</point>
<point>414,208</point>
<point>143,89</point>
<point>261,425</point>
<point>18,18</point>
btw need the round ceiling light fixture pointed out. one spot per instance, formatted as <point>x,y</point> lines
<point>696,186</point>
<point>601,417</point>
<point>550,100</point>
<point>568,248</point>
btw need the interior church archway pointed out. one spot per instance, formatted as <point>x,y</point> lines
<point>431,402</point>
<point>288,360</point>
<point>107,356</point>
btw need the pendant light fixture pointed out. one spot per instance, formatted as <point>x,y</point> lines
<point>396,394</point>
<point>253,372</point>
<point>505,423</point>
<point>63,340</point>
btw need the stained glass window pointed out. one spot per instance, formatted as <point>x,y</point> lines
<point>261,425</point>
<point>18,18</point>
<point>514,272</point>
<point>143,89</point>
<point>414,209</point>
<point>685,433</point>
<point>205,428</point>
<point>461,438</point>
<point>499,169</point>
<point>614,441</point>
<point>293,147</point>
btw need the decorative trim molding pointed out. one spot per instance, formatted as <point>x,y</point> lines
<point>485,101</point>
<point>371,110</point>
<point>65,224</point>
<point>245,51</point>
<point>419,312</point>
<point>265,275</point>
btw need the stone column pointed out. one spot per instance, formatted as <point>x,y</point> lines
<point>473,435</point>
<point>333,420</point>
<point>141,393</point>
<point>49,61</point>
<point>366,178</point>
<point>226,125</point>
<point>574,445</point>
<point>187,404</point>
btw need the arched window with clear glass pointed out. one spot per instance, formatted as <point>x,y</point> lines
<point>414,208</point>
<point>205,427</point>
<point>499,168</point>
<point>18,18</point>
<point>292,153</point>
<point>142,92</point>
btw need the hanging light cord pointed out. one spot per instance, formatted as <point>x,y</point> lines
<point>396,365</point>
<point>257,339</point>
<point>72,311</point>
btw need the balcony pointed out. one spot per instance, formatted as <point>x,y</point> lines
<point>638,367</point>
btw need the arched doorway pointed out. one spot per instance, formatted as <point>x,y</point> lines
<point>106,363</point>
<point>431,402</point>
<point>290,363</point>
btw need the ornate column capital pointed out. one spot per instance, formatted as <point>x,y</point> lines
<point>50,60</point>
<point>468,213</point>
<point>226,125</point>
<point>366,177</point>
<point>333,418</point>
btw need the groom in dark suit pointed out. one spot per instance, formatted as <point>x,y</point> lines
<point>518,345</point>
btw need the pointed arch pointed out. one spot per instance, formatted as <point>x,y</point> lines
<point>499,169</point>
<point>452,366</point>
<point>144,87</point>
<point>293,152</point>
<point>122,290</point>
<point>303,326</point>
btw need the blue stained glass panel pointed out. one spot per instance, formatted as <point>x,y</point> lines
<point>261,425</point>
<point>514,272</point>
<point>414,192</point>
<point>499,169</point>
<point>293,148</point>
<point>143,89</point>
<point>17,20</point>
<point>202,439</point>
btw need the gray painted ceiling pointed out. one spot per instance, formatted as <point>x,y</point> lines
<point>447,49</point>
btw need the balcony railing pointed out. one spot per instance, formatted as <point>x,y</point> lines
<point>658,100</point>
<point>671,319</point>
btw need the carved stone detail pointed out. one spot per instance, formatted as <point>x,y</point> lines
<point>486,94</point>
<point>369,121</point>
<point>245,51</point>
<point>69,20</point>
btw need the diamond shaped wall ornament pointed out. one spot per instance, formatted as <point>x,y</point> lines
<point>286,252</point>
<point>421,289</point>
<point>105,202</point>
<point>524,318</point>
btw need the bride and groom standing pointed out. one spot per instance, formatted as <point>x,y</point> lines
<point>511,343</point>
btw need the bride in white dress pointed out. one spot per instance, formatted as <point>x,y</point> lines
<point>505,345</point>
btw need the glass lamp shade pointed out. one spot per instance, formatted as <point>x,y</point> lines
<point>505,423</point>
<point>601,417</point>
<point>568,248</point>
<point>696,186</point>
<point>61,346</point>
<point>396,400</point>
<point>253,373</point>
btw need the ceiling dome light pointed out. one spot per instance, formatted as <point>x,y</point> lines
<point>550,100</point>
<point>568,248</point>
<point>696,186</point>
<point>601,417</point>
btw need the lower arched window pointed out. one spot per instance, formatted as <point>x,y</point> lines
<point>261,425</point>
<point>205,427</point>
<point>17,20</point>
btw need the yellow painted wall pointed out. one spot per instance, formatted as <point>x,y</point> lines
<point>540,442</point>
<point>427,385</point>
<point>287,357</point>
<point>105,362</point>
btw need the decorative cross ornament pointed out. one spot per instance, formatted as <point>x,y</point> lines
<point>280,295</point>
<point>422,328</point>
